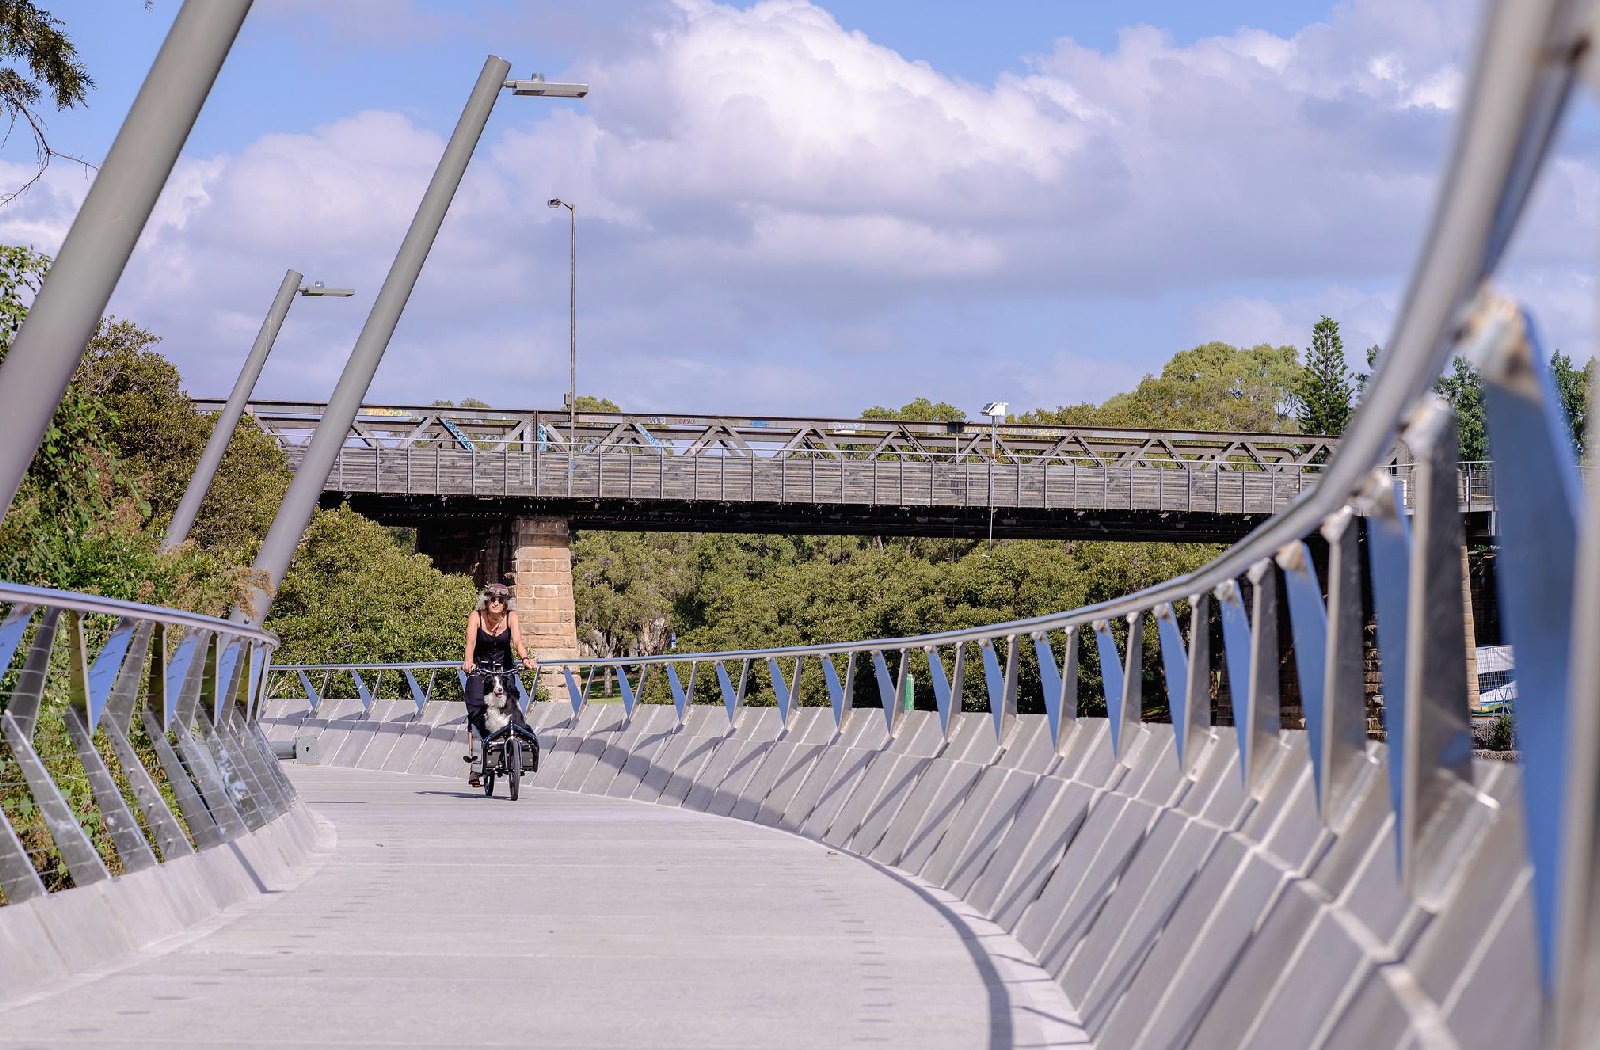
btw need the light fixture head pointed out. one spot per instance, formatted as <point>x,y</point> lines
<point>554,202</point>
<point>995,409</point>
<point>318,288</point>
<point>538,85</point>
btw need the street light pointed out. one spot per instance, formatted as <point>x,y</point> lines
<point>305,490</point>
<point>572,334</point>
<point>996,411</point>
<point>205,469</point>
<point>318,288</point>
<point>537,85</point>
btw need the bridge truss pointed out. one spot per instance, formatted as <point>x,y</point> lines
<point>826,476</point>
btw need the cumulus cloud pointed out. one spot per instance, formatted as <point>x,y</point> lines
<point>777,213</point>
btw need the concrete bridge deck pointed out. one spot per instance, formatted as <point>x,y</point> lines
<point>442,918</point>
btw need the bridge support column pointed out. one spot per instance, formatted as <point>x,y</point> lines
<point>542,583</point>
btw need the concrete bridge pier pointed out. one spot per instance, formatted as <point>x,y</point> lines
<point>533,554</point>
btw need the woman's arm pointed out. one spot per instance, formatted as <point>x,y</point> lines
<point>472,640</point>
<point>516,638</point>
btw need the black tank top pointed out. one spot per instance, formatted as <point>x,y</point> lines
<point>493,650</point>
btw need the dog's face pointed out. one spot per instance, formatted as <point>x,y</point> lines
<point>497,701</point>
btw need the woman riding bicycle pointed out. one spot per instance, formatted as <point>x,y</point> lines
<point>492,634</point>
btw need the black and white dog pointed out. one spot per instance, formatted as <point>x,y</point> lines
<point>497,701</point>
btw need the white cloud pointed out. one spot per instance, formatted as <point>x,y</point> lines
<point>1364,319</point>
<point>768,202</point>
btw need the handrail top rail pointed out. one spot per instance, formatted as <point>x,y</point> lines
<point>24,594</point>
<point>368,667</point>
<point>377,413</point>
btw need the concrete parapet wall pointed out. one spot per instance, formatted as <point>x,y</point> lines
<point>1174,910</point>
<point>50,940</point>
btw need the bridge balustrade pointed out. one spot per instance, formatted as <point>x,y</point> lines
<point>903,481</point>
<point>928,481</point>
<point>1253,884</point>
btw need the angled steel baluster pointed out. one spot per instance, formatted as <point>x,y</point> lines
<point>946,690</point>
<point>681,697</point>
<point>18,879</point>
<point>1574,1015</point>
<point>126,838</point>
<point>840,695</point>
<point>1389,561</point>
<point>1113,685</point>
<point>1060,683</point>
<point>1537,514</point>
<point>1266,704</point>
<point>17,724</point>
<point>1437,759</point>
<point>1344,758</point>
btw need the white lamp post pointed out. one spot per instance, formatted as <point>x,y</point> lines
<point>996,411</point>
<point>572,336</point>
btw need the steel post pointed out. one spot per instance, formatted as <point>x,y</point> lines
<point>63,317</point>
<point>228,419</point>
<point>323,448</point>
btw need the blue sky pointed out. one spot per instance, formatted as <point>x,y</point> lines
<point>795,208</point>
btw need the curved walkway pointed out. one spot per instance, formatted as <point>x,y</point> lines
<point>567,921</point>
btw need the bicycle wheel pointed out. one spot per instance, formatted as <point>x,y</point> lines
<point>488,783</point>
<point>513,766</point>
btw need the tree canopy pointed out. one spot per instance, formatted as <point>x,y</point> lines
<point>1325,389</point>
<point>42,68</point>
<point>1214,386</point>
<point>353,594</point>
<point>918,410</point>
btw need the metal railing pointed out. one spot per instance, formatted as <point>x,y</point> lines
<point>1549,572</point>
<point>320,682</point>
<point>930,480</point>
<point>507,430</point>
<point>159,715</point>
<point>1548,530</point>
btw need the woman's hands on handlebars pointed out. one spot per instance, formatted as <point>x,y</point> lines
<point>468,666</point>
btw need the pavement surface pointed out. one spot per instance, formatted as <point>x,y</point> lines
<point>444,919</point>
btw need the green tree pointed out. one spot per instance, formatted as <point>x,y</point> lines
<point>1324,389</point>
<point>353,594</point>
<point>159,434</point>
<point>624,586</point>
<point>1463,388</point>
<point>1363,378</point>
<point>22,270</point>
<point>918,410</point>
<point>41,68</point>
<point>1572,391</point>
<point>1214,386</point>
<point>81,520</point>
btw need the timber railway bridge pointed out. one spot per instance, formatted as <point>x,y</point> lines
<point>688,869</point>
<point>426,465</point>
<point>495,493</point>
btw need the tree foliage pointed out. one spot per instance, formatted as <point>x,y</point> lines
<point>82,519</point>
<point>1572,391</point>
<point>159,435</point>
<point>636,593</point>
<point>1462,386</point>
<point>1324,391</point>
<point>1214,386</point>
<point>42,67</point>
<point>352,594</point>
<point>918,410</point>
